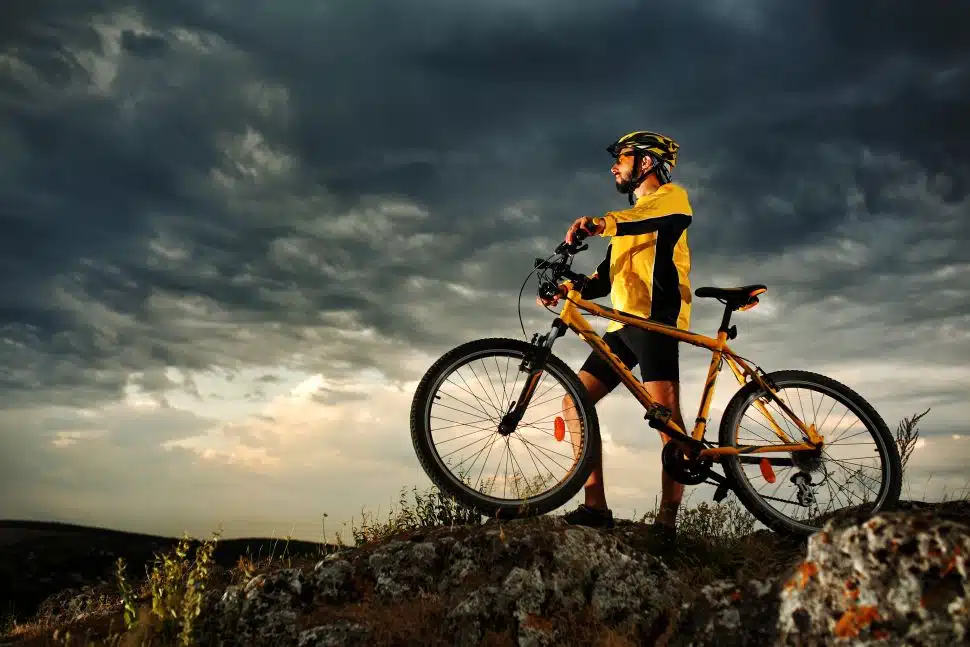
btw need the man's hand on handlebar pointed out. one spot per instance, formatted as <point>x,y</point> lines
<point>579,230</point>
<point>560,293</point>
<point>588,225</point>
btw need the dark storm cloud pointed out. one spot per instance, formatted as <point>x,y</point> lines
<point>404,136</point>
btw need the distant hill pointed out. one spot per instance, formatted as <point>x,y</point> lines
<point>40,558</point>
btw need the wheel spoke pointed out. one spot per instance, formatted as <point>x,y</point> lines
<point>468,391</point>
<point>492,418</point>
<point>479,380</point>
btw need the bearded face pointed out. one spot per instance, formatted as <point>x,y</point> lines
<point>623,170</point>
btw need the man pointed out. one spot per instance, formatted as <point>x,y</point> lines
<point>645,272</point>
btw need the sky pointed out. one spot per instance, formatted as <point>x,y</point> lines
<point>233,236</point>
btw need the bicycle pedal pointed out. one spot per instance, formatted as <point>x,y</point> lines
<point>720,492</point>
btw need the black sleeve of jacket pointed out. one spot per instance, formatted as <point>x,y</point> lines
<point>599,285</point>
<point>675,222</point>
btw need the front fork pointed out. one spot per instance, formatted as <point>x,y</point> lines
<point>533,363</point>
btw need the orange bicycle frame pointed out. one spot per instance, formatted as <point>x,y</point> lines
<point>571,316</point>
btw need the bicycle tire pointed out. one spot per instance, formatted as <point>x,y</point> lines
<point>875,425</point>
<point>480,502</point>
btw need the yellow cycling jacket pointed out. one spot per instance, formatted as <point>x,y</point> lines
<point>647,263</point>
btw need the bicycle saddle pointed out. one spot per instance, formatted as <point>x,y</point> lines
<point>743,297</point>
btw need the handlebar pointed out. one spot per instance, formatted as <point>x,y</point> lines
<point>560,267</point>
<point>566,250</point>
<point>575,248</point>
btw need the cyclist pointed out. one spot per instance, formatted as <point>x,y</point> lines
<point>645,272</point>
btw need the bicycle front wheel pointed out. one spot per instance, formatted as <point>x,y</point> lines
<point>856,474</point>
<point>455,416</point>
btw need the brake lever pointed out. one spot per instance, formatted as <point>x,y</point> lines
<point>571,249</point>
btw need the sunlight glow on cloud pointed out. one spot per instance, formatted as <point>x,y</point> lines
<point>68,438</point>
<point>256,459</point>
<point>301,422</point>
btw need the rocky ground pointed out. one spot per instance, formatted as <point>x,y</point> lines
<point>898,579</point>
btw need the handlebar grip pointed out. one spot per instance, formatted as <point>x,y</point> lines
<point>578,237</point>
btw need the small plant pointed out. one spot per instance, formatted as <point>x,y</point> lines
<point>245,567</point>
<point>197,578</point>
<point>717,522</point>
<point>286,547</point>
<point>431,509</point>
<point>907,433</point>
<point>127,595</point>
<point>8,623</point>
<point>177,585</point>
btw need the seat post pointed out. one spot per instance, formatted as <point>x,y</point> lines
<point>725,318</point>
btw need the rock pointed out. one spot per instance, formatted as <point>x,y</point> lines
<point>556,574</point>
<point>627,596</point>
<point>730,614</point>
<point>899,578</point>
<point>333,581</point>
<point>403,568</point>
<point>342,634</point>
<point>481,610</point>
<point>72,604</point>
<point>263,612</point>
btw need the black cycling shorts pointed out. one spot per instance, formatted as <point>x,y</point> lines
<point>658,356</point>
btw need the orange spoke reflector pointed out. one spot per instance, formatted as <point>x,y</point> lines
<point>766,470</point>
<point>560,432</point>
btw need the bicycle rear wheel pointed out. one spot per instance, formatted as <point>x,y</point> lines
<point>858,448</point>
<point>458,405</point>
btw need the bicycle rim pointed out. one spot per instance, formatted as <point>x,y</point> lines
<point>462,404</point>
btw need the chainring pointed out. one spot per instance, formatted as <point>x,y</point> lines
<point>688,471</point>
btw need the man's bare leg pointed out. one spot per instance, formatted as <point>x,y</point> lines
<point>595,494</point>
<point>667,393</point>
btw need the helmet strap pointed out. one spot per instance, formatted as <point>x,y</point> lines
<point>635,182</point>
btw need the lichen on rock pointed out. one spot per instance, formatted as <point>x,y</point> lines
<point>898,576</point>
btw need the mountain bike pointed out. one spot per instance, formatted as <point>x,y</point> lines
<point>791,453</point>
